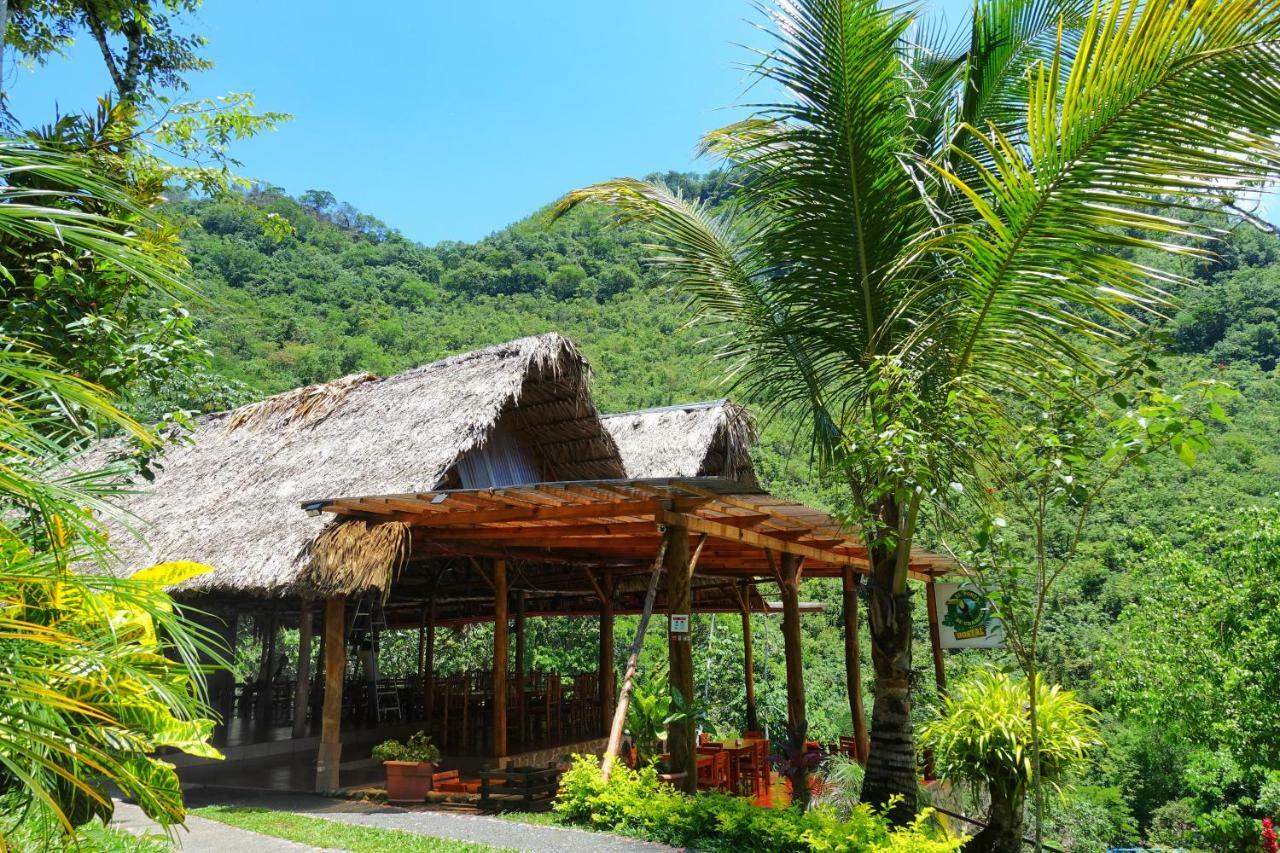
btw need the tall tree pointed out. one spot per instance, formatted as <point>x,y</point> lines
<point>919,229</point>
<point>141,42</point>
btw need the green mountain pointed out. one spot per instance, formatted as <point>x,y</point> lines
<point>345,293</point>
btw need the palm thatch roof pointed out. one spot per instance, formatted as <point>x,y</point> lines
<point>230,496</point>
<point>711,439</point>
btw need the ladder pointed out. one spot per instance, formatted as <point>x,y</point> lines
<point>367,624</point>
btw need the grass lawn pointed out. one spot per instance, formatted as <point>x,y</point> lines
<point>535,818</point>
<point>319,832</point>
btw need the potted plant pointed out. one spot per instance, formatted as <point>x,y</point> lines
<point>410,767</point>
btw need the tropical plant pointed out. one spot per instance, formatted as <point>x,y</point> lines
<point>984,737</point>
<point>649,713</point>
<point>417,749</point>
<point>939,226</point>
<point>795,760</point>
<point>96,672</point>
<point>637,803</point>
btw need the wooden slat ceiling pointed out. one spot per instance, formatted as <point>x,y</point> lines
<point>614,524</point>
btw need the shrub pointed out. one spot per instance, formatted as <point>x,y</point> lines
<point>419,749</point>
<point>984,737</point>
<point>636,803</point>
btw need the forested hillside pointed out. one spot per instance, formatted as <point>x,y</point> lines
<point>345,293</point>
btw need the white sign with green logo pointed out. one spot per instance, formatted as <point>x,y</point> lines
<point>966,617</point>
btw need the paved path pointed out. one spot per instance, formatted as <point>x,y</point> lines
<point>204,836</point>
<point>497,832</point>
<point>207,836</point>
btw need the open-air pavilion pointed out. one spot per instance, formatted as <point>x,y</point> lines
<point>481,488</point>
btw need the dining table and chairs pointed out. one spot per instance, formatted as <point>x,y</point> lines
<point>738,766</point>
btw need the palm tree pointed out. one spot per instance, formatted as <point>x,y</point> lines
<point>96,672</point>
<point>918,228</point>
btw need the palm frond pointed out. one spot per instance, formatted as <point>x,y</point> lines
<point>1162,105</point>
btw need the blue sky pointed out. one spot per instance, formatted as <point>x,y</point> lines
<point>450,119</point>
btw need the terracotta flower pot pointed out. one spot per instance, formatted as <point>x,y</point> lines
<point>408,781</point>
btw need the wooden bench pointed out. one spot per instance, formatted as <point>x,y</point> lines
<point>517,786</point>
<point>449,782</point>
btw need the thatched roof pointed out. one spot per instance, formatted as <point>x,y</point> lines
<point>711,439</point>
<point>230,497</point>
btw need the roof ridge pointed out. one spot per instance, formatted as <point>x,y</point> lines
<point>705,404</point>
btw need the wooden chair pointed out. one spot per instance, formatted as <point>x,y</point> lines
<point>715,775</point>
<point>753,769</point>
<point>752,734</point>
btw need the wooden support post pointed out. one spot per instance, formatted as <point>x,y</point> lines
<point>748,665</point>
<point>850,582</point>
<point>629,674</point>
<point>935,639</point>
<point>429,665</point>
<point>939,671</point>
<point>335,669</point>
<point>790,588</point>
<point>302,690</point>
<point>520,647</point>
<point>680,733</point>
<point>267,670</point>
<point>500,646</point>
<point>607,673</point>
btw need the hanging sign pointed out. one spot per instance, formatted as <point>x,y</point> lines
<point>966,617</point>
<point>679,623</point>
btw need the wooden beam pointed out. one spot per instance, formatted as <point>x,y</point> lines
<point>335,667</point>
<point>680,733</point>
<point>616,509</point>
<point>850,581</point>
<point>757,540</point>
<point>302,689</point>
<point>500,647</point>
<point>633,657</point>
<point>621,528</point>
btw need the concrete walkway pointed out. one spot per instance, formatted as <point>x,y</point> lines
<point>204,836</point>
<point>207,836</point>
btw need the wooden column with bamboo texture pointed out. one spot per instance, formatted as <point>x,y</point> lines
<point>302,689</point>
<point>680,733</point>
<point>329,757</point>
<point>850,582</point>
<point>789,586</point>
<point>748,662</point>
<point>500,646</point>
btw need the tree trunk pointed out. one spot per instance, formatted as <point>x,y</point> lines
<point>1003,832</point>
<point>891,762</point>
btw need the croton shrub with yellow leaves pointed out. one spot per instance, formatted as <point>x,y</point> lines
<point>97,674</point>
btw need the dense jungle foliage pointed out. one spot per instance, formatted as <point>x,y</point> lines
<point>344,292</point>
